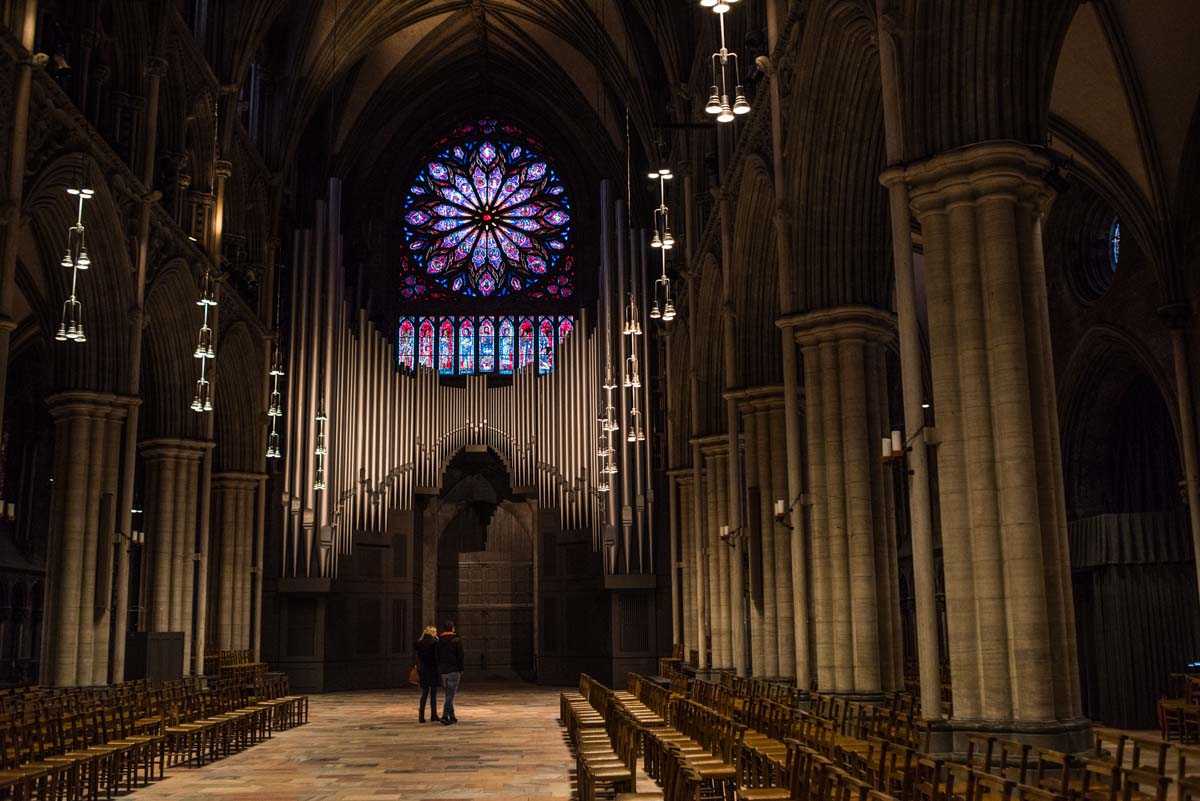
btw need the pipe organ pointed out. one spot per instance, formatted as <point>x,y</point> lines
<point>387,433</point>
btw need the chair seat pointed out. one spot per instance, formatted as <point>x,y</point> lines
<point>764,794</point>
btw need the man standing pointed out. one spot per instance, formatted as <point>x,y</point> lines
<point>450,666</point>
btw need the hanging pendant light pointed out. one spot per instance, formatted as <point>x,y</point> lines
<point>76,259</point>
<point>202,400</point>
<point>725,61</point>
<point>275,407</point>
<point>319,451</point>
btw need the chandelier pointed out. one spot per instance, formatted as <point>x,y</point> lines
<point>202,400</point>
<point>319,452</point>
<point>725,61</point>
<point>76,258</point>
<point>275,407</point>
<point>662,307</point>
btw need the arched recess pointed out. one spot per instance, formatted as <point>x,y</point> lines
<point>1136,607</point>
<point>479,565</point>
<point>105,291</point>
<point>710,371</point>
<point>755,279</point>
<point>169,367</point>
<point>681,393</point>
<point>838,207</point>
<point>238,422</point>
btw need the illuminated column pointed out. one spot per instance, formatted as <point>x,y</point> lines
<point>85,450</point>
<point>170,554</point>
<point>1008,583</point>
<point>854,554</point>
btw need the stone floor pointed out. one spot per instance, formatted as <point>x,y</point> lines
<point>368,746</point>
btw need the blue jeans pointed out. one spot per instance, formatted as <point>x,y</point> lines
<point>450,682</point>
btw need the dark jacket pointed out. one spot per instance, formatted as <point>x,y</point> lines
<point>427,664</point>
<point>449,653</point>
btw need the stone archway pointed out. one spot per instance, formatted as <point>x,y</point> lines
<point>480,567</point>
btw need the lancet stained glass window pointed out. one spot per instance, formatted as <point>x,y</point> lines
<point>426,344</point>
<point>406,343</point>
<point>446,347</point>
<point>487,345</point>
<point>466,347</point>
<point>506,346</point>
<point>487,216</point>
<point>525,344</point>
<point>473,345</point>
<point>546,342</point>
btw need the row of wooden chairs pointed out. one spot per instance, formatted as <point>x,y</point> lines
<point>215,660</point>
<point>84,744</point>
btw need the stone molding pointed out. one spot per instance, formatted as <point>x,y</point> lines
<point>989,170</point>
<point>841,323</point>
<point>754,399</point>
<point>177,448</point>
<point>92,404</point>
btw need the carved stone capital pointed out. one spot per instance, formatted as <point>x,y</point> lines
<point>156,67</point>
<point>990,170</point>
<point>843,322</point>
<point>1176,315</point>
<point>224,168</point>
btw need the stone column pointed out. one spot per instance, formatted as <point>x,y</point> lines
<point>784,537</point>
<point>1008,584</point>
<point>716,476</point>
<point>172,484</point>
<point>87,426</point>
<point>674,563</point>
<point>751,534</point>
<point>768,561</point>
<point>235,495</point>
<point>854,552</point>
<point>14,191</point>
<point>688,588</point>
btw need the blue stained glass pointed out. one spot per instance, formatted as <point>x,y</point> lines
<point>446,348</point>
<point>426,343</point>
<point>488,216</point>
<point>505,345</point>
<point>545,345</point>
<point>406,340</point>
<point>466,347</point>
<point>525,344</point>
<point>1114,242</point>
<point>487,345</point>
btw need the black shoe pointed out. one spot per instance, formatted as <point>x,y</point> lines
<point>434,719</point>
<point>422,718</point>
<point>447,721</point>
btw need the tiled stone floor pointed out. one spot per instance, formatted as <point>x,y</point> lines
<point>368,746</point>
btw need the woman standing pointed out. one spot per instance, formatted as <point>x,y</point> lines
<point>427,667</point>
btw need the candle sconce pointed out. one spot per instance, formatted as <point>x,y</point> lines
<point>783,510</point>
<point>895,450</point>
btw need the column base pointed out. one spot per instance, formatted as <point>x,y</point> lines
<point>949,737</point>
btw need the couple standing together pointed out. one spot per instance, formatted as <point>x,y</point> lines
<point>440,664</point>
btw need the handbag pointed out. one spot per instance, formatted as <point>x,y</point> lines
<point>414,676</point>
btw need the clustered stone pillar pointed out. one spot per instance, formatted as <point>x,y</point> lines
<point>714,451</point>
<point>762,625</point>
<point>1008,585</point>
<point>172,501</point>
<point>235,550</point>
<point>856,592</point>
<point>772,610</point>
<point>688,556</point>
<point>87,429</point>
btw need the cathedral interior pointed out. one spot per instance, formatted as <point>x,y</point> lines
<point>775,399</point>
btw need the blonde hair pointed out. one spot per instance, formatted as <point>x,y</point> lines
<point>431,631</point>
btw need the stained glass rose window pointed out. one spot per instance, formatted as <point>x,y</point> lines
<point>487,216</point>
